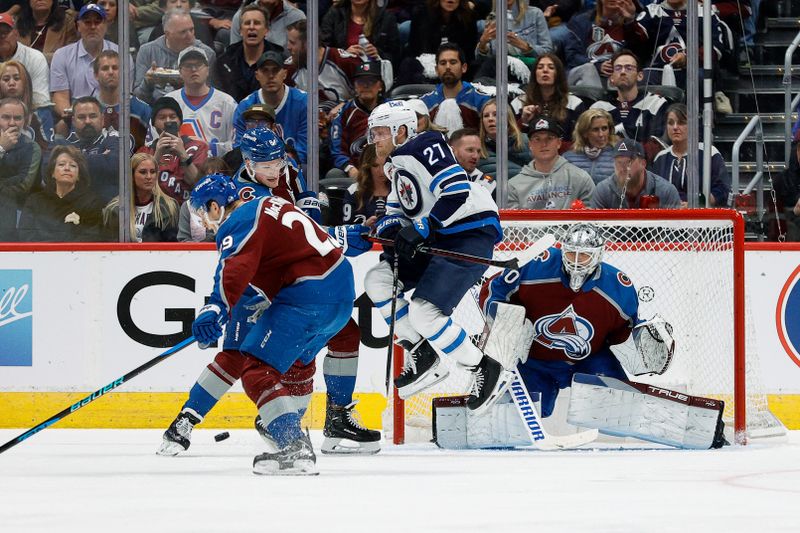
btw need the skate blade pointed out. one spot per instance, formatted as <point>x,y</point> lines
<point>427,380</point>
<point>337,446</point>
<point>272,468</point>
<point>500,388</point>
<point>169,449</point>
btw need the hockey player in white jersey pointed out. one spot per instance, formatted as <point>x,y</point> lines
<point>432,202</point>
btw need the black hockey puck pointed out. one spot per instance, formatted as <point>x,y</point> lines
<point>219,437</point>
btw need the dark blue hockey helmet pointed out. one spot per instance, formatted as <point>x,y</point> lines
<point>262,144</point>
<point>217,187</point>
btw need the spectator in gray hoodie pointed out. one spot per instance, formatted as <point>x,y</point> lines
<point>549,181</point>
<point>632,186</point>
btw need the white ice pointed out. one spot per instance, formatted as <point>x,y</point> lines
<point>111,480</point>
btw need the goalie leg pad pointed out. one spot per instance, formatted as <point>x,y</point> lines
<point>629,409</point>
<point>456,428</point>
<point>511,335</point>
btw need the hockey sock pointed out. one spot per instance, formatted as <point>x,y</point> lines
<point>341,364</point>
<point>299,382</point>
<point>378,285</point>
<point>442,333</point>
<point>215,380</point>
<point>263,386</point>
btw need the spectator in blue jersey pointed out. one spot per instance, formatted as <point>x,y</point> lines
<point>602,32</point>
<point>19,164</point>
<point>455,103</point>
<point>349,129</point>
<point>632,186</point>
<point>547,96</point>
<point>366,198</point>
<point>593,144</point>
<point>100,146</point>
<point>235,69</point>
<point>637,114</point>
<point>519,154</point>
<point>671,163</point>
<point>289,103</point>
<point>106,71</point>
<point>71,67</point>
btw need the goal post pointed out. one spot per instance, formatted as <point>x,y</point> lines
<point>688,266</point>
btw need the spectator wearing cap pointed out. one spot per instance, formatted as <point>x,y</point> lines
<point>207,112</point>
<point>455,103</point>
<point>255,116</point>
<point>290,103</point>
<point>281,15</point>
<point>235,69</point>
<point>99,145</point>
<point>106,71</point>
<point>632,186</point>
<point>71,74</point>
<point>348,133</point>
<point>19,164</point>
<point>45,26</point>
<point>549,181</point>
<point>157,61</point>
<point>33,60</point>
<point>335,67</point>
<point>179,156</point>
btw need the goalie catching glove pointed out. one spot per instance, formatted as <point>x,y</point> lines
<point>649,349</point>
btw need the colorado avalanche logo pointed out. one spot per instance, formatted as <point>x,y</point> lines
<point>408,192</point>
<point>786,314</point>
<point>566,331</point>
<point>624,280</point>
<point>247,193</point>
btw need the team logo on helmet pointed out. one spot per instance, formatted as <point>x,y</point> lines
<point>566,331</point>
<point>408,192</point>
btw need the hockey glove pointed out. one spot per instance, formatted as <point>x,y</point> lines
<point>207,327</point>
<point>388,226</point>
<point>411,238</point>
<point>350,238</point>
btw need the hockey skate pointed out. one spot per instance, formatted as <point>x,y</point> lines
<point>178,435</point>
<point>421,371</point>
<point>296,459</point>
<point>491,382</point>
<point>261,428</point>
<point>344,433</point>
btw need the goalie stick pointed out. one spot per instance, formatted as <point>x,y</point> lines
<point>96,394</point>
<point>515,263</point>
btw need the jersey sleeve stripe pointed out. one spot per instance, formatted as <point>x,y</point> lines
<point>456,187</point>
<point>440,176</point>
<point>455,179</point>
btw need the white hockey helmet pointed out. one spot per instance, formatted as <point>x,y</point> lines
<point>392,115</point>
<point>581,251</point>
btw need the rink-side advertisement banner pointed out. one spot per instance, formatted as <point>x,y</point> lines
<point>72,321</point>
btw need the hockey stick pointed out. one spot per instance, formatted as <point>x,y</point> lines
<point>97,394</point>
<point>539,437</point>
<point>390,350</point>
<point>515,263</point>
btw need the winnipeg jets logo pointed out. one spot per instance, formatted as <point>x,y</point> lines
<point>408,192</point>
<point>566,331</point>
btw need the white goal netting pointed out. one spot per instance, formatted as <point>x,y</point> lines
<point>683,269</point>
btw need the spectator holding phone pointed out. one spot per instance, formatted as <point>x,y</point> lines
<point>179,156</point>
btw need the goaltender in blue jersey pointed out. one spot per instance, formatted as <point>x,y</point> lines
<point>432,202</point>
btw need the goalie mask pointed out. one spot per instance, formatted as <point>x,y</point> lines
<point>581,253</point>
<point>217,188</point>
<point>386,119</point>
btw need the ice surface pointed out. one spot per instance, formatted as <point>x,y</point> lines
<point>111,480</point>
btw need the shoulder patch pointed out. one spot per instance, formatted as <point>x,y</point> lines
<point>624,280</point>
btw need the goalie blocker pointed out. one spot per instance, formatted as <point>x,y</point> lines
<point>614,407</point>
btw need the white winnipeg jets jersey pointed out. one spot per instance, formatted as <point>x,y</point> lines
<point>427,181</point>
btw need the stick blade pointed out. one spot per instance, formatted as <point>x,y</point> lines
<point>536,249</point>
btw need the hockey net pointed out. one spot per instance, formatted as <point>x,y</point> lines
<point>688,266</point>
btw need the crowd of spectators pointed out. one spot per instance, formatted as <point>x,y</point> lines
<point>584,127</point>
